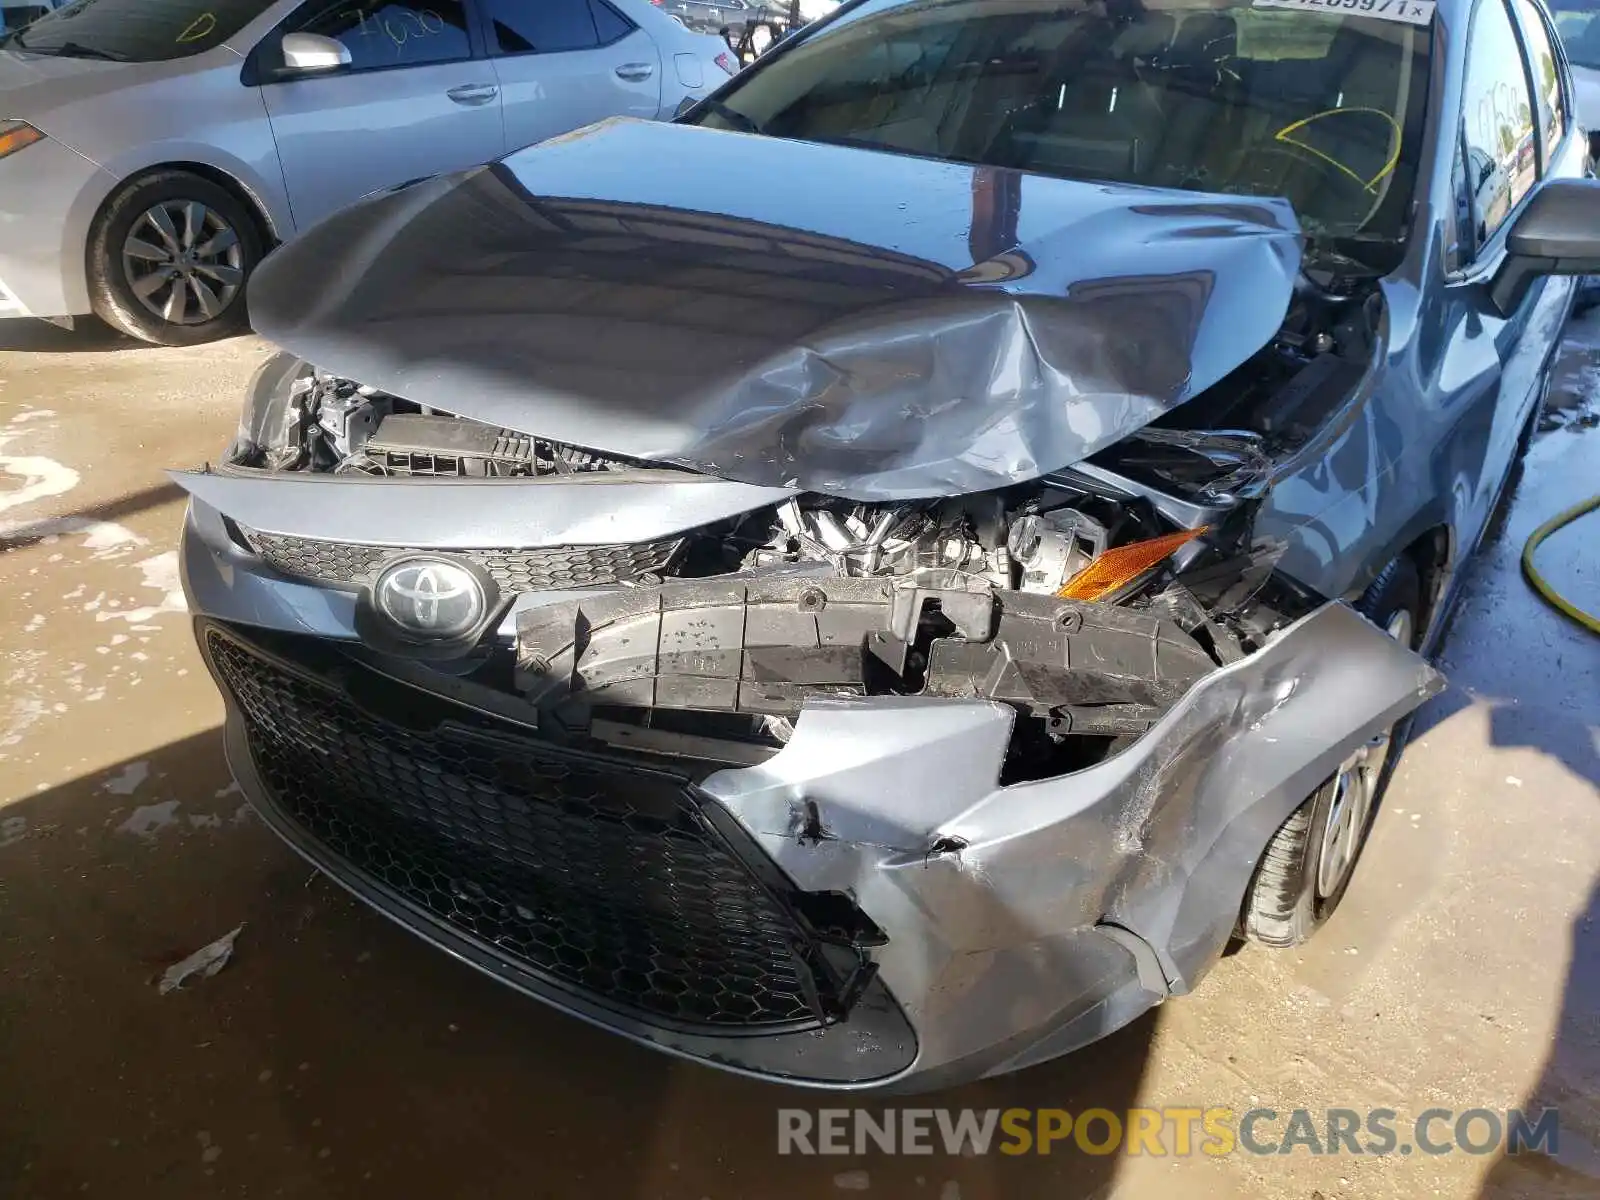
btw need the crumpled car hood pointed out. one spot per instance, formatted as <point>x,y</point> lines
<point>852,322</point>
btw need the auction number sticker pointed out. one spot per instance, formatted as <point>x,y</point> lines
<point>1412,12</point>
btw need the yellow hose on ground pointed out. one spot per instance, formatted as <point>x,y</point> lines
<point>1541,585</point>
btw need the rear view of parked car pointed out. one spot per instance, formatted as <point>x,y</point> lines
<point>150,155</point>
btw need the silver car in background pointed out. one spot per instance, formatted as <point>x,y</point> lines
<point>152,151</point>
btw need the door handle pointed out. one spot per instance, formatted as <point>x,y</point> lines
<point>473,94</point>
<point>635,72</point>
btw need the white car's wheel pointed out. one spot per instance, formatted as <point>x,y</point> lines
<point>168,258</point>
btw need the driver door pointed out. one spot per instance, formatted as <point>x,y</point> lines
<point>1490,371</point>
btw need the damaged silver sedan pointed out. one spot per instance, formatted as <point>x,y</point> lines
<point>879,582</point>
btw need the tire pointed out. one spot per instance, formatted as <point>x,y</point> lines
<point>1297,886</point>
<point>217,280</point>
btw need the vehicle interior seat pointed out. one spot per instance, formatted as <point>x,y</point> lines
<point>1101,119</point>
<point>1199,84</point>
<point>1325,167</point>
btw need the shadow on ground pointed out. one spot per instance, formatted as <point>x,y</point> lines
<point>88,335</point>
<point>17,534</point>
<point>1567,1084</point>
<point>336,1055</point>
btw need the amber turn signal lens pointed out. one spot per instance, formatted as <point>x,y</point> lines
<point>14,135</point>
<point>1117,568</point>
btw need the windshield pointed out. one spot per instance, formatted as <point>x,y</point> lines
<point>1580,32</point>
<point>1325,109</point>
<point>136,30</point>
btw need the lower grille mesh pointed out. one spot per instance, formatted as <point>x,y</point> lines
<point>605,876</point>
<point>354,563</point>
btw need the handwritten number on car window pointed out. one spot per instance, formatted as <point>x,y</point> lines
<point>399,27</point>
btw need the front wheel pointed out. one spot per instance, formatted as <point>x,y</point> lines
<point>1308,864</point>
<point>168,258</point>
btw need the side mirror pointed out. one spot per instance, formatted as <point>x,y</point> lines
<point>314,52</point>
<point>1557,234</point>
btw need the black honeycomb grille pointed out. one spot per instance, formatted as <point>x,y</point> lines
<point>606,877</point>
<point>356,564</point>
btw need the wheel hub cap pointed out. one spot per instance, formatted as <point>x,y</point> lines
<point>183,262</point>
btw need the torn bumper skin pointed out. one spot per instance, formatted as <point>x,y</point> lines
<point>1010,923</point>
<point>1007,909</point>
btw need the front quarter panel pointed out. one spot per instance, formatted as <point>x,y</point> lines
<point>192,110</point>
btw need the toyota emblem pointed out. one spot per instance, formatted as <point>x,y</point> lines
<point>430,599</point>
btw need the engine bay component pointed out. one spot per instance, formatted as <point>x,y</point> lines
<point>319,422</point>
<point>1053,547</point>
<point>762,643</point>
<point>428,444</point>
<point>411,444</point>
<point>861,540</point>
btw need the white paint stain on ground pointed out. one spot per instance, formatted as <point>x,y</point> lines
<point>150,819</point>
<point>21,712</point>
<point>12,830</point>
<point>160,574</point>
<point>128,780</point>
<point>103,540</point>
<point>41,478</point>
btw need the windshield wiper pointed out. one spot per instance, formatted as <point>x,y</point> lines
<point>68,50</point>
<point>79,50</point>
<point>733,115</point>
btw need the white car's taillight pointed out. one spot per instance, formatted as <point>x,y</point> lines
<point>725,61</point>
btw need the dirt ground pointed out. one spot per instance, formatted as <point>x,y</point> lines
<point>337,1056</point>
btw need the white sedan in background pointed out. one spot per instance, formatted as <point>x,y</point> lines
<point>152,151</point>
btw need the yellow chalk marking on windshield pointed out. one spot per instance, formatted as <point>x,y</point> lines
<point>1370,184</point>
<point>199,27</point>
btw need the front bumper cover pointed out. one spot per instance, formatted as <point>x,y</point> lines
<point>1021,921</point>
<point>48,193</point>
